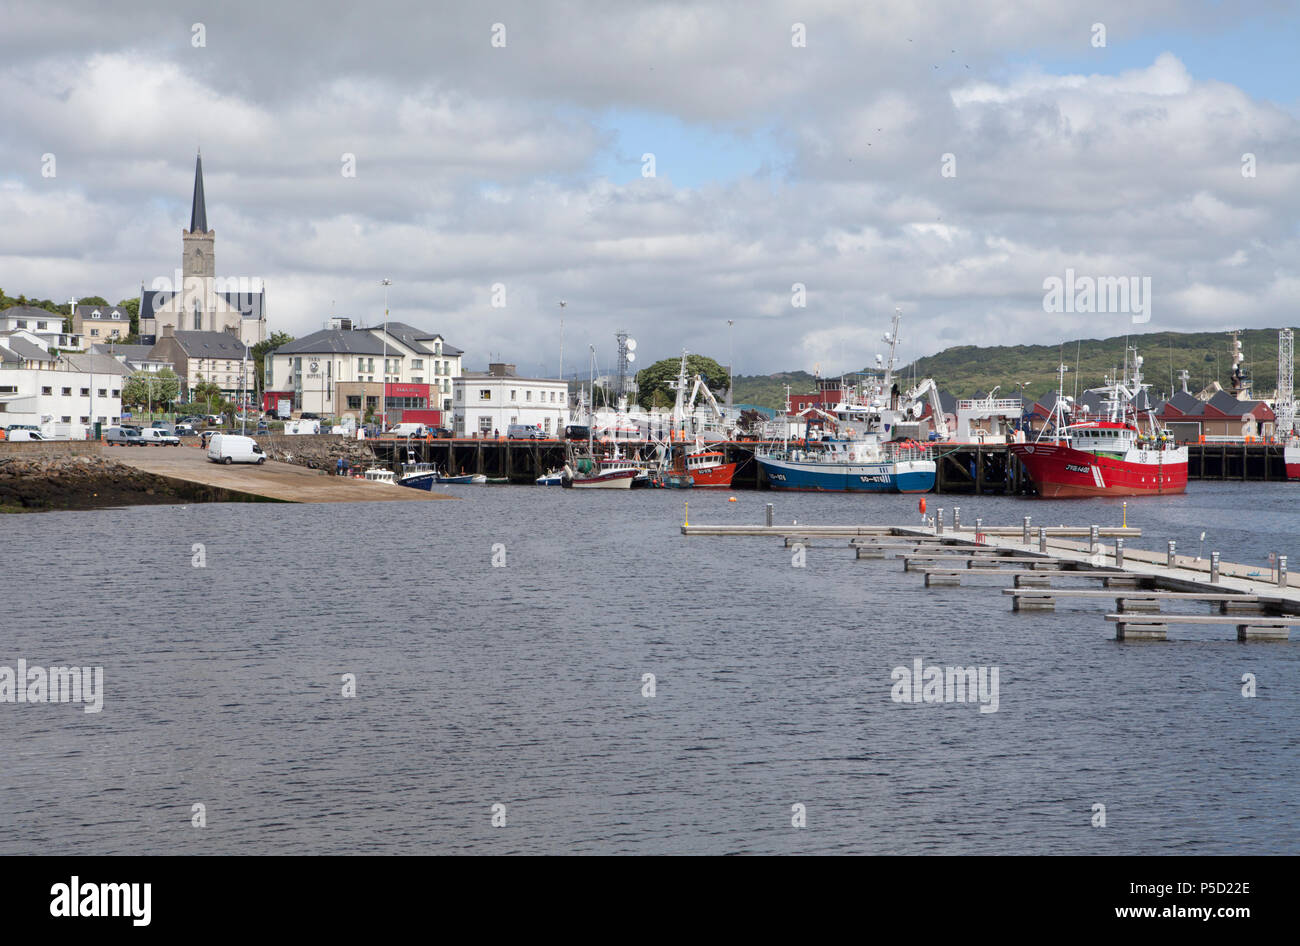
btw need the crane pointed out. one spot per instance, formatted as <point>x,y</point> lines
<point>928,387</point>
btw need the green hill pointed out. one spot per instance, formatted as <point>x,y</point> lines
<point>967,369</point>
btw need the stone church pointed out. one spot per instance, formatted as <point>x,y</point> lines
<point>196,299</point>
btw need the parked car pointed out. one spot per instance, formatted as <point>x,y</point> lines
<point>577,432</point>
<point>186,431</point>
<point>441,433</point>
<point>164,426</point>
<point>525,432</point>
<point>123,437</point>
<point>159,437</point>
<point>232,448</point>
<point>408,430</point>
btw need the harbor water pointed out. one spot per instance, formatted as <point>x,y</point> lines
<point>524,684</point>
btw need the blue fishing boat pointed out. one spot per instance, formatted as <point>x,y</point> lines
<point>849,466</point>
<point>418,476</point>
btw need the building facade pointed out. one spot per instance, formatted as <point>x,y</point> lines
<point>485,404</point>
<point>48,326</point>
<point>341,372</point>
<point>202,357</point>
<point>64,396</point>
<point>101,323</point>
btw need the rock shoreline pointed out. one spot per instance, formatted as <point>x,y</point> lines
<point>44,483</point>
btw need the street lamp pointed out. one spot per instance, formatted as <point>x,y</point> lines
<point>731,357</point>
<point>383,407</point>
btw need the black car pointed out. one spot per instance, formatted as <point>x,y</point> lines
<point>440,433</point>
<point>577,432</point>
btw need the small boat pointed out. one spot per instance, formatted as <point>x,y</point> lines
<point>605,475</point>
<point>496,480</point>
<point>418,476</point>
<point>379,475</point>
<point>553,478</point>
<point>709,468</point>
<point>464,479</point>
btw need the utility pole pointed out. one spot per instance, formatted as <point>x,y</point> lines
<point>383,422</point>
<point>731,358</point>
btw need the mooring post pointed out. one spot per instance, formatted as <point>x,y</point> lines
<point>956,518</point>
<point>938,521</point>
<point>1092,539</point>
<point>1214,568</point>
<point>979,530</point>
<point>1027,540</point>
<point>770,512</point>
<point>1119,552</point>
<point>1281,571</point>
<point>1042,536</point>
<point>1172,546</point>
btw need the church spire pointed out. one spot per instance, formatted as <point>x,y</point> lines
<point>199,211</point>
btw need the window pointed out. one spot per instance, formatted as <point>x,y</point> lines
<point>485,394</point>
<point>417,364</point>
<point>417,380</point>
<point>85,419</point>
<point>552,397</point>
<point>528,395</point>
<point>354,402</point>
<point>66,419</point>
<point>117,392</point>
<point>47,390</point>
<point>103,392</point>
<point>41,326</point>
<point>85,392</point>
<point>95,314</point>
<point>513,394</point>
<point>485,425</point>
<point>361,364</point>
<point>21,323</point>
<point>94,332</point>
<point>67,392</point>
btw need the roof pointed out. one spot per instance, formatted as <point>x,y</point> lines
<point>28,351</point>
<point>1227,405</point>
<point>129,352</point>
<point>110,312</point>
<point>7,355</point>
<point>488,376</point>
<point>29,312</point>
<point>198,210</point>
<point>96,363</point>
<point>251,305</point>
<point>208,344</point>
<point>1186,404</point>
<point>335,342</point>
<point>413,338</point>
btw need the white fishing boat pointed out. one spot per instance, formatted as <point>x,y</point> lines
<point>379,475</point>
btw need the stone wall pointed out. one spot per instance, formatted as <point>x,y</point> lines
<point>50,448</point>
<point>317,451</point>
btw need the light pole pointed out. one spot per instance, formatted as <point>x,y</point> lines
<point>731,357</point>
<point>383,420</point>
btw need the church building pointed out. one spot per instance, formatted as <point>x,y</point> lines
<point>197,300</point>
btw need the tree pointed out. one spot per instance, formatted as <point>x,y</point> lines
<point>132,306</point>
<point>151,388</point>
<point>207,392</point>
<point>653,381</point>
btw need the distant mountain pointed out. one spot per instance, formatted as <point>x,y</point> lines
<point>967,370</point>
<point>768,390</point>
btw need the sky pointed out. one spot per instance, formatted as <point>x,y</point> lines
<point>666,168</point>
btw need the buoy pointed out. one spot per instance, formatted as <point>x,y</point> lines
<point>732,499</point>
<point>921,505</point>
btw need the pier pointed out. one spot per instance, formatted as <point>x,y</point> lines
<point>1138,582</point>
<point>962,469</point>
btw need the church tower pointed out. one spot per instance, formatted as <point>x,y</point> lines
<point>198,241</point>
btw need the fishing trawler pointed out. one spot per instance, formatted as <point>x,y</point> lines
<point>1107,456</point>
<point>856,450</point>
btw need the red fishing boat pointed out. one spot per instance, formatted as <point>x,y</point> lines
<point>709,468</point>
<point>1105,457</point>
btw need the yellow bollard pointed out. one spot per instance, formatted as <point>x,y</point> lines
<point>1125,524</point>
<point>687,520</point>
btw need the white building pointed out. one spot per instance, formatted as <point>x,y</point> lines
<point>58,392</point>
<point>48,326</point>
<point>340,372</point>
<point>487,403</point>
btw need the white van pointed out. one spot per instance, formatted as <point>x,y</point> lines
<point>159,437</point>
<point>302,427</point>
<point>22,434</point>
<point>232,448</point>
<point>409,430</point>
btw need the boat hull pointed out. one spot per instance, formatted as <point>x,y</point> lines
<point>885,476</point>
<point>1061,472</point>
<point>1292,462</point>
<point>621,479</point>
<point>714,477</point>
<point>422,481</point>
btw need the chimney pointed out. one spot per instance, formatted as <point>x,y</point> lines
<point>168,331</point>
